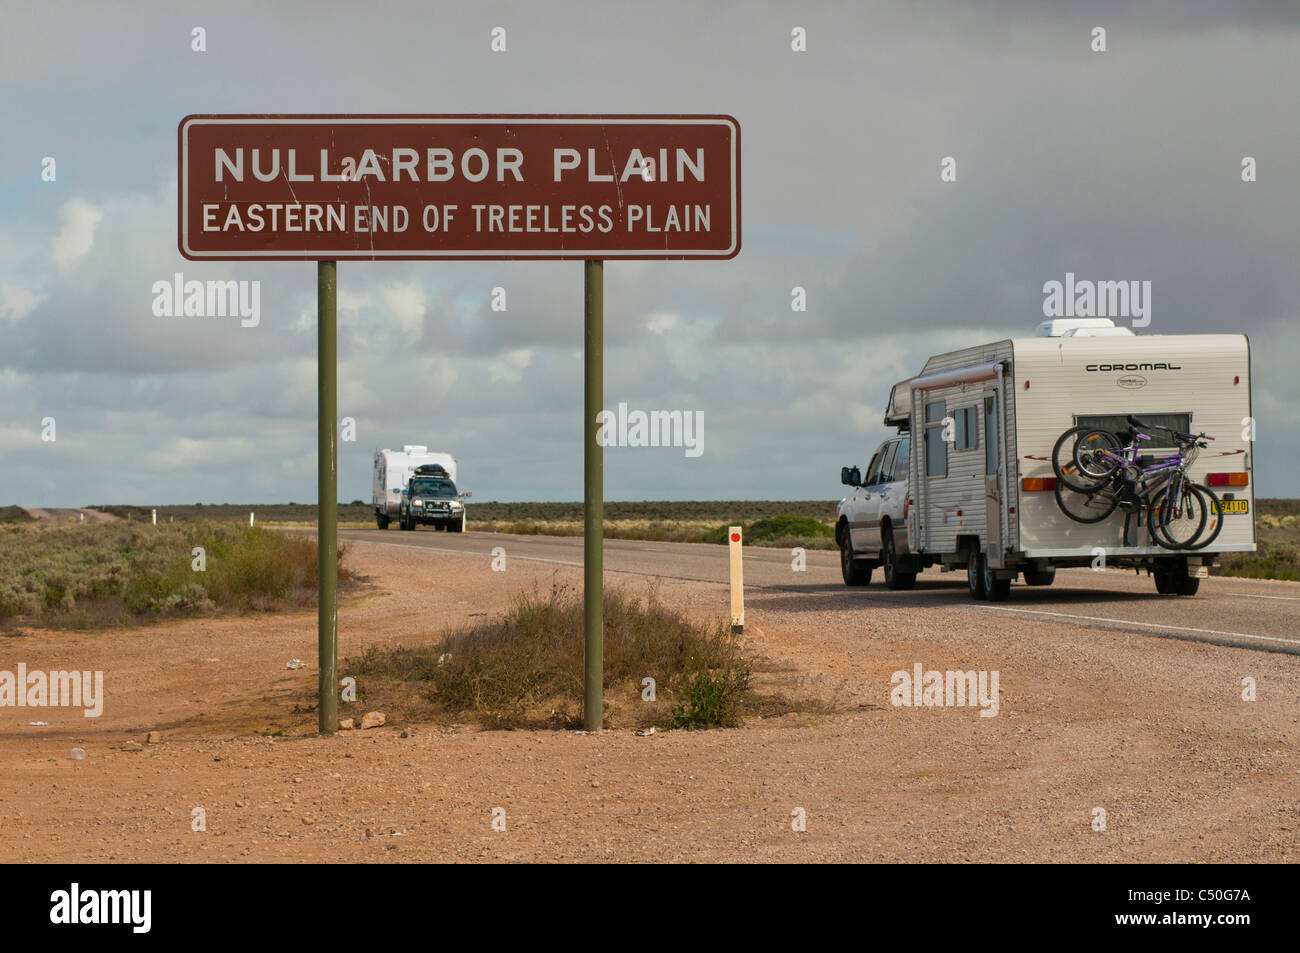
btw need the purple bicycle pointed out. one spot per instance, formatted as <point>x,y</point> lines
<point>1105,473</point>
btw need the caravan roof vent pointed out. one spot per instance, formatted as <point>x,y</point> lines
<point>413,448</point>
<point>1081,328</point>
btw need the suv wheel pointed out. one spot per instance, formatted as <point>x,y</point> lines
<point>895,578</point>
<point>854,573</point>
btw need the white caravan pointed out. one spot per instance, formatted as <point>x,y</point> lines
<point>392,472</point>
<point>985,500</point>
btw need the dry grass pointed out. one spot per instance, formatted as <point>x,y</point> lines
<point>103,573</point>
<point>525,669</point>
<point>785,531</point>
<point>1278,533</point>
<point>807,523</point>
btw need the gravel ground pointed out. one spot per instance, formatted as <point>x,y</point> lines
<point>1151,730</point>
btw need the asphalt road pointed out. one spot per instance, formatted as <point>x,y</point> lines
<point>1253,614</point>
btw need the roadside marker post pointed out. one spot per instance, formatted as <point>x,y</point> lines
<point>734,543</point>
<point>458,188</point>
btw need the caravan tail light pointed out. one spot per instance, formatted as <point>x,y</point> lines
<point>1030,484</point>
<point>907,505</point>
<point>1228,479</point>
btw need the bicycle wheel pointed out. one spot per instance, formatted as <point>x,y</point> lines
<point>1180,516</point>
<point>1094,455</point>
<point>1087,507</point>
<point>1213,517</point>
<point>1063,465</point>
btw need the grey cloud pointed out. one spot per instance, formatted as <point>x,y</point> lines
<point>1115,165</point>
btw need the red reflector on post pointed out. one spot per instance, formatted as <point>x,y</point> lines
<point>1030,484</point>
<point>1228,479</point>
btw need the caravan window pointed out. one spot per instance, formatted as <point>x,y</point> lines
<point>965,431</point>
<point>1118,425</point>
<point>936,449</point>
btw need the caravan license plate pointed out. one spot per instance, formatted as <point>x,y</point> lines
<point>1235,506</point>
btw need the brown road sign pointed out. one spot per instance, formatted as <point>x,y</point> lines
<point>458,187</point>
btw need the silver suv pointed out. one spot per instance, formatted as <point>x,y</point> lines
<point>871,527</point>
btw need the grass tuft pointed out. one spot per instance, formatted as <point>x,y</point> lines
<point>525,668</point>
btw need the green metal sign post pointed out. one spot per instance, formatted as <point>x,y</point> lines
<point>327,496</point>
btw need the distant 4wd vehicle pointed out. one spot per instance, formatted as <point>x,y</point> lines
<point>871,523</point>
<point>392,472</point>
<point>430,498</point>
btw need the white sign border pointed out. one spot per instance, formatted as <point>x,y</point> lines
<point>441,254</point>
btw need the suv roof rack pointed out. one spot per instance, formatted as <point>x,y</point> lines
<point>431,469</point>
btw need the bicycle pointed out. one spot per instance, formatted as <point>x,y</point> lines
<point>1107,475</point>
<point>1183,502</point>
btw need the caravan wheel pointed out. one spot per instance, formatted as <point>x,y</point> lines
<point>996,589</point>
<point>1039,577</point>
<point>975,575</point>
<point>1166,574</point>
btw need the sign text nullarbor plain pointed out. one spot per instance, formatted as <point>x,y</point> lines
<point>403,163</point>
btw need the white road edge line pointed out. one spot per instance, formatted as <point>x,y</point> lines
<point>1257,595</point>
<point>1148,625</point>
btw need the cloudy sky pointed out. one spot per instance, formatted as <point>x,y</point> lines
<point>1117,165</point>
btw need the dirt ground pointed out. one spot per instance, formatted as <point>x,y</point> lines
<point>68,516</point>
<point>1151,730</point>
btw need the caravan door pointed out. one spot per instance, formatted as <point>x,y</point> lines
<point>991,544</point>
